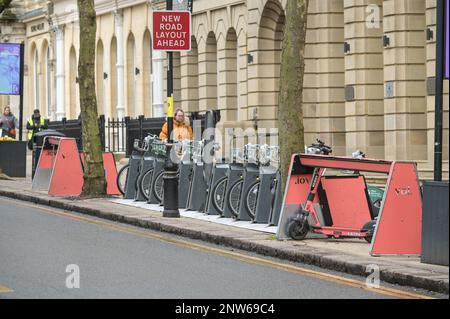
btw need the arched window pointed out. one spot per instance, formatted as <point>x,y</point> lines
<point>113,77</point>
<point>74,112</point>
<point>36,80</point>
<point>177,79</point>
<point>48,84</point>
<point>147,73</point>
<point>100,79</point>
<point>270,39</point>
<point>190,94</point>
<point>131,76</point>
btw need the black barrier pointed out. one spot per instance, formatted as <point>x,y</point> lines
<point>13,156</point>
<point>72,128</point>
<point>139,128</point>
<point>435,223</point>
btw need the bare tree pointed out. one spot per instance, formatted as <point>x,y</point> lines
<point>94,174</point>
<point>290,120</point>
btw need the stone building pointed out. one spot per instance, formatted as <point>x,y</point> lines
<point>369,68</point>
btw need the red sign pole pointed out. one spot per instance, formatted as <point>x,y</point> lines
<point>171,32</point>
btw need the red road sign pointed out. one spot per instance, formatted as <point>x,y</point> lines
<point>172,30</point>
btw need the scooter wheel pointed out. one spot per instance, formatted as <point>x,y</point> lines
<point>297,230</point>
<point>370,229</point>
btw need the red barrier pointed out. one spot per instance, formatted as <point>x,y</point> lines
<point>347,211</point>
<point>111,174</point>
<point>398,227</point>
<point>59,168</point>
<point>109,165</point>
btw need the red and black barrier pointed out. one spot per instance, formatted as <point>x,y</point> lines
<point>398,226</point>
<point>60,168</point>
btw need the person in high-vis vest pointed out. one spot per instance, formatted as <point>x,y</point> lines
<point>35,124</point>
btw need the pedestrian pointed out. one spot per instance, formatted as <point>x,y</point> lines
<point>8,123</point>
<point>181,129</point>
<point>35,124</point>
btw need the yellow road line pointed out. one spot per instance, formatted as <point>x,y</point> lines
<point>4,290</point>
<point>237,256</point>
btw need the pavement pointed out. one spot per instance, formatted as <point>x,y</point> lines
<point>344,255</point>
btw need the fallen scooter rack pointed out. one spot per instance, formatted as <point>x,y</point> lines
<point>398,227</point>
<point>60,168</point>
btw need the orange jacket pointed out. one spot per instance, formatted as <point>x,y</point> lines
<point>181,131</point>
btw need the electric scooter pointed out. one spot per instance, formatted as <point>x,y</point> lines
<point>307,217</point>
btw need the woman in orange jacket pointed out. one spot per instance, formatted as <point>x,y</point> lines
<point>181,130</point>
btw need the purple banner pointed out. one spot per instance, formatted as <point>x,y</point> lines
<point>446,64</point>
<point>9,69</point>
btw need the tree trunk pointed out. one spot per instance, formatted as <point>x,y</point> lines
<point>94,174</point>
<point>290,120</point>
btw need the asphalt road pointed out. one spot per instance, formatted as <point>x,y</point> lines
<point>38,245</point>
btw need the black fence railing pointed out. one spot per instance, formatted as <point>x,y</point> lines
<point>115,135</point>
<point>140,127</point>
<point>72,128</point>
<point>118,135</point>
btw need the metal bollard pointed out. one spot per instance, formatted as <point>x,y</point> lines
<point>170,187</point>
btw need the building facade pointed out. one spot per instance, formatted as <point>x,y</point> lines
<point>370,66</point>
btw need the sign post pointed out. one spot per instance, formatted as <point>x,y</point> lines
<point>171,32</point>
<point>442,68</point>
<point>22,57</point>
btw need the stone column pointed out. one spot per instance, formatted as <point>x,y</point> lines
<point>60,74</point>
<point>120,65</point>
<point>158,83</point>
<point>404,77</point>
<point>324,96</point>
<point>207,74</point>
<point>364,106</point>
<point>189,80</point>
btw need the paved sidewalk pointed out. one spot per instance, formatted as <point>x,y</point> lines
<point>349,256</point>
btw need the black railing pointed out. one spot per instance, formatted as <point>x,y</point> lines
<point>115,135</point>
<point>72,128</point>
<point>140,127</point>
<point>118,135</point>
